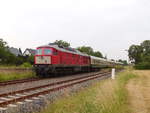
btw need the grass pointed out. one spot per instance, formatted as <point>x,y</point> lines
<point>5,76</point>
<point>10,72</point>
<point>138,92</point>
<point>107,96</point>
<point>24,65</point>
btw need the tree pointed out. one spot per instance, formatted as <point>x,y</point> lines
<point>3,44</point>
<point>89,50</point>
<point>146,47</point>
<point>62,43</point>
<point>112,60</point>
<point>5,56</point>
<point>3,51</point>
<point>30,59</point>
<point>135,53</point>
<point>98,54</point>
<point>140,54</point>
<point>123,61</point>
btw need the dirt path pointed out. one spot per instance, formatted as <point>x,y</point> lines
<point>139,92</point>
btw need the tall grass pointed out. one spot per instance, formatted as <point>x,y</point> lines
<point>107,96</point>
<point>5,76</point>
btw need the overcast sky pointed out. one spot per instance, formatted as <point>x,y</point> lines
<point>109,26</point>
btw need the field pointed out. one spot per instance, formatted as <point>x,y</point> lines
<point>107,96</point>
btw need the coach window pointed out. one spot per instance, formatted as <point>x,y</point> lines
<point>47,51</point>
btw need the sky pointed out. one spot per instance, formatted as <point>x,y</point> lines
<point>109,26</point>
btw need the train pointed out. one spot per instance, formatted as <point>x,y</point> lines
<point>53,59</point>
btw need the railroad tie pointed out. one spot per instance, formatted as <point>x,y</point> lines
<point>12,105</point>
<point>3,98</point>
<point>12,97</point>
<point>20,95</point>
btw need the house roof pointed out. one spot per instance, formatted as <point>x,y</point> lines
<point>15,51</point>
<point>32,51</point>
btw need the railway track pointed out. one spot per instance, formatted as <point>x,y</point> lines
<point>21,95</point>
<point>11,82</point>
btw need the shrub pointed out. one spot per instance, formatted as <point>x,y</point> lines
<point>26,64</point>
<point>142,65</point>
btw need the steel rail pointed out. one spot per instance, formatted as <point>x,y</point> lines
<point>11,82</point>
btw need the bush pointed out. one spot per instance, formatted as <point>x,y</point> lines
<point>142,65</point>
<point>26,64</point>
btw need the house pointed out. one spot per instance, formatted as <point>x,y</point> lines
<point>29,52</point>
<point>15,51</point>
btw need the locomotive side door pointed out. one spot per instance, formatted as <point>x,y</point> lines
<point>56,57</point>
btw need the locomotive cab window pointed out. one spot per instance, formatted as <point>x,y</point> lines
<point>47,51</point>
<point>39,52</point>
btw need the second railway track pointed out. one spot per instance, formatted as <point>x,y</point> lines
<point>11,82</point>
<point>26,80</point>
<point>28,93</point>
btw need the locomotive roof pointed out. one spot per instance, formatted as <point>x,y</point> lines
<point>68,50</point>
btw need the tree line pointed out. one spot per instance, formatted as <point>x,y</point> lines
<point>84,49</point>
<point>140,55</point>
<point>7,58</point>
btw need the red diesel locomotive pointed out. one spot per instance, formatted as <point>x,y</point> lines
<point>53,59</point>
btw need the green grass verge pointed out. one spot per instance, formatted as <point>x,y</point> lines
<point>16,75</point>
<point>24,65</point>
<point>107,96</point>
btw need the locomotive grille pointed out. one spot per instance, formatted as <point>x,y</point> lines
<point>43,59</point>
